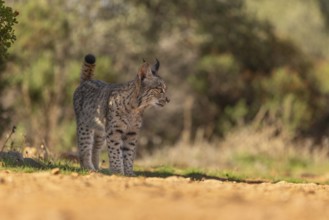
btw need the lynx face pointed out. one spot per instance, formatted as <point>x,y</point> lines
<point>154,89</point>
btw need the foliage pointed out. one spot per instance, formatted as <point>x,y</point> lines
<point>7,36</point>
<point>310,37</point>
<point>236,59</point>
<point>324,6</point>
<point>48,73</point>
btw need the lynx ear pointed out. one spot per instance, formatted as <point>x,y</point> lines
<point>156,66</point>
<point>143,70</point>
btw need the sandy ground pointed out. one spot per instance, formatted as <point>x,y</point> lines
<point>47,196</point>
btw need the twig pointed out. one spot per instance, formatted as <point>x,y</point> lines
<point>13,130</point>
<point>45,149</point>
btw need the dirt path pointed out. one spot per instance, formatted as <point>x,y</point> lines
<point>46,196</point>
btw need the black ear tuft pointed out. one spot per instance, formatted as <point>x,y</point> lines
<point>156,66</point>
<point>144,60</point>
<point>89,58</point>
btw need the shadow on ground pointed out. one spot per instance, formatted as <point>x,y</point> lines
<point>195,176</point>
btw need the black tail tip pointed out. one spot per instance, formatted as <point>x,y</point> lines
<point>89,58</point>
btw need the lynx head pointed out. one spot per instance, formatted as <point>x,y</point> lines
<point>152,87</point>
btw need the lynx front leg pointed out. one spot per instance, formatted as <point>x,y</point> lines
<point>129,151</point>
<point>85,145</point>
<point>114,144</point>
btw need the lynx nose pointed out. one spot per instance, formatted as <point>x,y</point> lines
<point>167,100</point>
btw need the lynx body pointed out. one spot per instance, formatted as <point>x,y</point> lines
<point>111,115</point>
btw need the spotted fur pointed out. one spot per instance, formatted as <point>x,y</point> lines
<point>111,115</point>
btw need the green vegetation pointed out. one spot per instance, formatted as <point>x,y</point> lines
<point>7,37</point>
<point>168,171</point>
<point>37,165</point>
<point>45,60</point>
<point>248,153</point>
<point>235,61</point>
<point>249,88</point>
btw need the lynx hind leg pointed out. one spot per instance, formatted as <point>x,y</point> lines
<point>99,141</point>
<point>114,144</point>
<point>85,145</point>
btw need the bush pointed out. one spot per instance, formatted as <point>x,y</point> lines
<point>7,36</point>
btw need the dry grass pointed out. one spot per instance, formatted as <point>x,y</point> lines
<point>247,150</point>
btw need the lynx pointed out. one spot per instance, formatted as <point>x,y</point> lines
<point>111,114</point>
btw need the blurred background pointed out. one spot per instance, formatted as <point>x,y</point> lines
<point>248,79</point>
